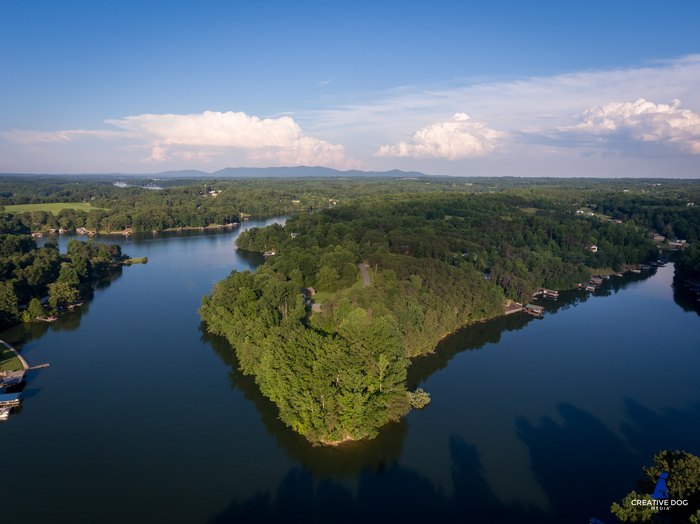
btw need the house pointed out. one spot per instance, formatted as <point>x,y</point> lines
<point>309,291</point>
<point>658,238</point>
<point>593,248</point>
<point>678,244</point>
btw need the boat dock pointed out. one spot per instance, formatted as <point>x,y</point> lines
<point>10,380</point>
<point>547,293</point>
<point>534,310</point>
<point>10,400</point>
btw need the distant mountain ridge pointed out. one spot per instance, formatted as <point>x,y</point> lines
<point>287,172</point>
<point>246,172</point>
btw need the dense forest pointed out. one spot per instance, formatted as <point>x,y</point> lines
<point>111,204</point>
<point>331,350</point>
<point>36,282</point>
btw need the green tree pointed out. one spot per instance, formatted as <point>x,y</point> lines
<point>35,309</point>
<point>62,294</point>
<point>9,305</point>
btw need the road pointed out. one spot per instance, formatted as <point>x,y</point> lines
<point>364,271</point>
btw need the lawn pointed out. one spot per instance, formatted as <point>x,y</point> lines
<point>8,360</point>
<point>51,207</point>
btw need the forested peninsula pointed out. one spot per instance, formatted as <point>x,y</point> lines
<point>347,296</point>
<point>37,283</point>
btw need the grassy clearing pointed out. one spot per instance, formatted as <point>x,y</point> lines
<point>8,360</point>
<point>51,207</point>
<point>130,261</point>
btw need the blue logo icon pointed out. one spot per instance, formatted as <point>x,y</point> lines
<point>661,491</point>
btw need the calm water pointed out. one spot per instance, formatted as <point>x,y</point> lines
<point>143,417</point>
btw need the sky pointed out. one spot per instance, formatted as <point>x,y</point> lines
<point>516,88</point>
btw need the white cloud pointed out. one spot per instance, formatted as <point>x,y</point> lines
<point>203,136</point>
<point>642,121</point>
<point>519,104</point>
<point>455,139</point>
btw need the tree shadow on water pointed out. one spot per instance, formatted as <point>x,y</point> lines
<point>583,466</point>
<point>397,494</point>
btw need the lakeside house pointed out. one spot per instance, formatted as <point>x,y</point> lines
<point>677,244</point>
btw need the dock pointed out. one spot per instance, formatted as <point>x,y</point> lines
<point>11,378</point>
<point>547,293</point>
<point>513,307</point>
<point>534,310</point>
<point>10,400</point>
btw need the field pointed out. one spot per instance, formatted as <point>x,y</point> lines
<point>51,207</point>
<point>8,360</point>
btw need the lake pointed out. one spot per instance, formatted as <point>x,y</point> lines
<point>143,416</point>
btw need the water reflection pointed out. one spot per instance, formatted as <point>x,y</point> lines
<point>478,335</point>
<point>563,454</point>
<point>686,298</point>
<point>21,335</point>
<point>397,494</point>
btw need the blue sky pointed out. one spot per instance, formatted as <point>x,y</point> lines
<point>461,88</point>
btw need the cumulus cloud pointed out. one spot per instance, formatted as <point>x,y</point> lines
<point>454,139</point>
<point>643,121</point>
<point>203,136</point>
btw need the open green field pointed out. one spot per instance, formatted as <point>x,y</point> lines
<point>8,360</point>
<point>51,207</point>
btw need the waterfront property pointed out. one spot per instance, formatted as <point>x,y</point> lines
<point>534,310</point>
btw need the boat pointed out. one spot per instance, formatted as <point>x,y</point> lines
<point>590,288</point>
<point>637,271</point>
